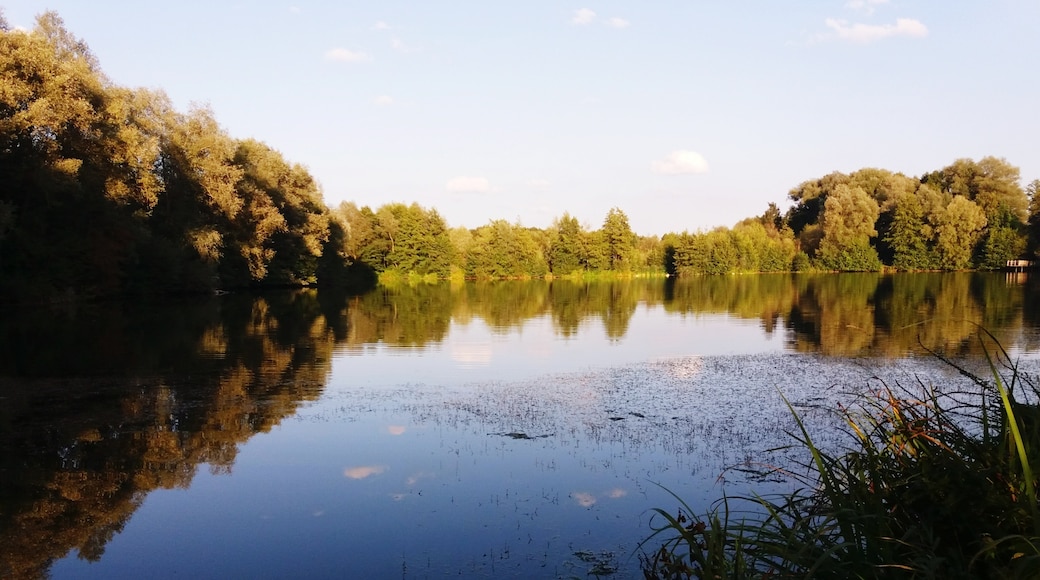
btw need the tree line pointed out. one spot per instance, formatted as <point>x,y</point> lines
<point>106,190</point>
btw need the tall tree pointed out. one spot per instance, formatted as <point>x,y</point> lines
<point>504,250</point>
<point>1033,191</point>
<point>848,226</point>
<point>909,236</point>
<point>991,183</point>
<point>959,227</point>
<point>809,199</point>
<point>618,241</point>
<point>421,243</point>
<point>566,247</point>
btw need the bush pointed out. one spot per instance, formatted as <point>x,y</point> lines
<point>933,484</point>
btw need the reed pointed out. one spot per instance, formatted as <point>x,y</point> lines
<point>930,483</point>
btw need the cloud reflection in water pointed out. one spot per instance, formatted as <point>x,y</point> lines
<point>364,471</point>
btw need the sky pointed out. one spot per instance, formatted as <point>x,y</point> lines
<point>686,115</point>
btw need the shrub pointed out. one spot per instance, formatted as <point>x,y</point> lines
<point>932,484</point>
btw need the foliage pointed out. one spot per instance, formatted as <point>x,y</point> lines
<point>909,235</point>
<point>1033,190</point>
<point>933,484</point>
<point>1001,244</point>
<point>567,252</point>
<point>618,241</point>
<point>991,183</point>
<point>749,247</point>
<point>109,190</point>
<point>959,227</point>
<point>504,250</point>
<point>941,221</point>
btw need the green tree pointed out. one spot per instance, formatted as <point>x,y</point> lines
<point>648,255</point>
<point>566,248</point>
<point>76,168</point>
<point>421,244</point>
<point>991,183</point>
<point>911,233</point>
<point>959,227</point>
<point>1033,191</point>
<point>761,247</point>
<point>504,250</point>
<point>848,226</point>
<point>1001,244</point>
<point>809,199</point>
<point>108,189</point>
<point>596,251</point>
<point>711,252</point>
<point>618,241</point>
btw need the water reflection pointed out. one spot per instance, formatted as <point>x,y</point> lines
<point>102,404</point>
<point>837,315</point>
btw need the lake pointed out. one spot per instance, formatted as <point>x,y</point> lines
<point>510,429</point>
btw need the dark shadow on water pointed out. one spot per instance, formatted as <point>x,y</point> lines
<point>103,403</point>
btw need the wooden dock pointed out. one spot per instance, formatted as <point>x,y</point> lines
<point>1019,265</point>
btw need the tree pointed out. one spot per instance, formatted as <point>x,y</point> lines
<point>648,255</point>
<point>358,229</point>
<point>283,223</point>
<point>848,226</point>
<point>908,235</point>
<point>711,252</point>
<point>1001,244</point>
<point>566,251</point>
<point>504,250</point>
<point>991,183</point>
<point>70,208</point>
<point>618,241</point>
<point>107,189</point>
<point>809,198</point>
<point>1033,190</point>
<point>762,248</point>
<point>421,242</point>
<point>959,227</point>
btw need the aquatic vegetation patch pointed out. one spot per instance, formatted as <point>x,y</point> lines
<point>568,461</point>
<point>522,436</point>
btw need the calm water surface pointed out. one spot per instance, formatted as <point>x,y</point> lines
<point>481,430</point>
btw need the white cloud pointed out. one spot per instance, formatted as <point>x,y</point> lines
<point>465,184</point>
<point>380,25</point>
<point>344,55</point>
<point>864,6</point>
<point>539,184</point>
<point>617,23</point>
<point>865,33</point>
<point>383,100</point>
<point>399,45</point>
<point>295,9</point>
<point>680,162</point>
<point>583,16</point>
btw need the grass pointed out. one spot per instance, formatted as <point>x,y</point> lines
<point>929,484</point>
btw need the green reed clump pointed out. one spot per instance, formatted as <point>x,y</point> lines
<point>931,484</point>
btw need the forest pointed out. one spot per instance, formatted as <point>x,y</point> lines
<point>106,190</point>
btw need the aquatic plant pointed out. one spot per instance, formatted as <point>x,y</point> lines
<point>930,483</point>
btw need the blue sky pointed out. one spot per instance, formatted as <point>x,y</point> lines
<point>686,115</point>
